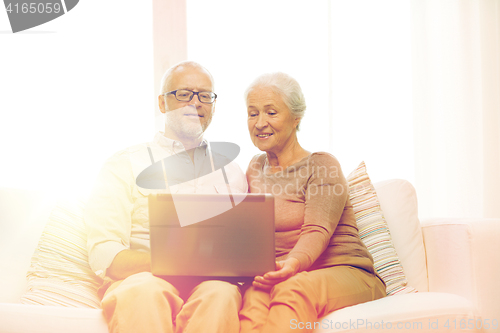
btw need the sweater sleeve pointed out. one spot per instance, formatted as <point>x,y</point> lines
<point>326,194</point>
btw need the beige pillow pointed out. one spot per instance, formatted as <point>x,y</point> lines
<point>398,201</point>
<point>59,274</point>
<point>375,233</point>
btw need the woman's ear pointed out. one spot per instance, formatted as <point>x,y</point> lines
<point>296,122</point>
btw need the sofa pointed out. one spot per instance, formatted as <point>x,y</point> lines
<point>451,268</point>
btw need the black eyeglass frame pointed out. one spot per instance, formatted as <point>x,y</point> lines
<point>174,92</point>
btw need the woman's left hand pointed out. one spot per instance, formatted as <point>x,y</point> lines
<point>285,269</point>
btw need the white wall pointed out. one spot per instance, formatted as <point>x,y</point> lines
<point>352,59</point>
<point>77,89</point>
<point>456,61</point>
<point>72,92</point>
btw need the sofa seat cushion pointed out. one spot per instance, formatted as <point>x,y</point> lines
<point>23,318</point>
<point>417,312</point>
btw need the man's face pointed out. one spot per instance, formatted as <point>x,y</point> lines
<point>187,120</point>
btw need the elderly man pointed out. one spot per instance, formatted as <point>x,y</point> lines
<point>118,227</point>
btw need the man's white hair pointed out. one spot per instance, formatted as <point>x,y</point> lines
<point>167,77</point>
<point>285,86</point>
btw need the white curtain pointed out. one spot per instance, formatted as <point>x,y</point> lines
<point>361,64</point>
<point>74,91</point>
<point>351,58</point>
<point>456,105</point>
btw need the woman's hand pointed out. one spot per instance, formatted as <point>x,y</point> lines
<point>285,269</point>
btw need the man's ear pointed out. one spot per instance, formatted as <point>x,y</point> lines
<point>213,107</point>
<point>161,103</point>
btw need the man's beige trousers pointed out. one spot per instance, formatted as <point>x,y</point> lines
<point>143,303</point>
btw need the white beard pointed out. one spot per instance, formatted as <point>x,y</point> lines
<point>183,127</point>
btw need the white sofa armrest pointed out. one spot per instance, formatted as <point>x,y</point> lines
<point>463,258</point>
<point>23,215</point>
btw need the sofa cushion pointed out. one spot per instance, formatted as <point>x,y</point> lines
<point>374,232</point>
<point>420,312</point>
<point>59,273</point>
<point>398,201</point>
<point>23,318</point>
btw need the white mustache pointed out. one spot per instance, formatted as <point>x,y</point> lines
<point>188,110</point>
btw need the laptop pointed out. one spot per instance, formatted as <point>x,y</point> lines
<point>235,245</point>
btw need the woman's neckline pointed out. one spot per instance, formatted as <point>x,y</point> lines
<point>267,168</point>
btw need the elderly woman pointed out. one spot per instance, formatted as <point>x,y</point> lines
<point>322,264</point>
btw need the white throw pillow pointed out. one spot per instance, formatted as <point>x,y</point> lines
<point>398,201</point>
<point>59,274</point>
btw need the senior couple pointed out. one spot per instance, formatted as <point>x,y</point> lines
<point>321,263</point>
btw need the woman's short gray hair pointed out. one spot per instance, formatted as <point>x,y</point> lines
<point>286,86</point>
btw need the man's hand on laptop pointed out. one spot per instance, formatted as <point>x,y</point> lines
<point>129,262</point>
<point>285,269</point>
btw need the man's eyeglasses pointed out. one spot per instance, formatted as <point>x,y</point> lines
<point>184,95</point>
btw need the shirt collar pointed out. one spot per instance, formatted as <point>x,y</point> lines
<point>174,145</point>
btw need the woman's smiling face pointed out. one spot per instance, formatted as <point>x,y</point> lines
<point>270,122</point>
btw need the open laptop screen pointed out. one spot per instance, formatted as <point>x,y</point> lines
<point>238,242</point>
